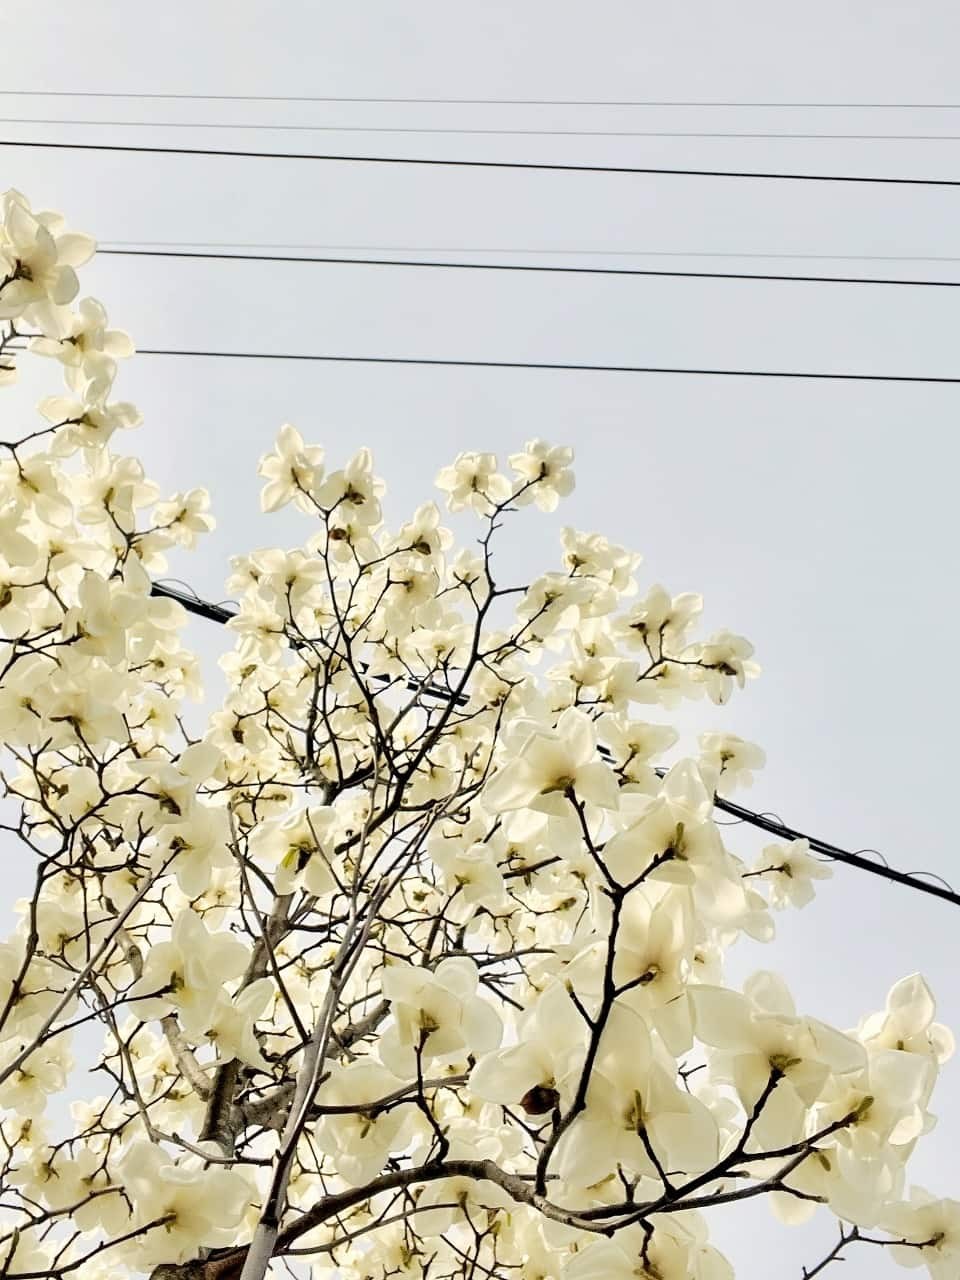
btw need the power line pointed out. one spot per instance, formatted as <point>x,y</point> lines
<point>476,102</point>
<point>858,860</point>
<point>528,364</point>
<point>510,133</point>
<point>516,266</point>
<point>192,602</point>
<point>188,598</point>
<point>573,252</point>
<point>545,365</point>
<point>538,166</point>
<point>218,613</point>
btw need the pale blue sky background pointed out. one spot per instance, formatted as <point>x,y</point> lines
<point>819,519</point>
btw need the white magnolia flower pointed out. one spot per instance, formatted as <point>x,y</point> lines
<point>293,472</point>
<point>301,846</point>
<point>932,1228</point>
<point>730,760</point>
<point>436,1013</point>
<point>591,555</point>
<point>672,1252</point>
<point>768,1050</point>
<point>43,1072</point>
<point>195,1206</point>
<point>789,871</point>
<point>672,836</point>
<point>907,1024</point>
<point>198,847</point>
<point>539,1072</point>
<point>358,1135</point>
<point>636,1114</point>
<point>38,259</point>
<point>187,974</point>
<point>722,661</point>
<point>87,423</point>
<point>82,337</point>
<point>550,764</point>
<point>659,622</point>
<point>544,474</point>
<point>353,494</point>
<point>230,1024</point>
<point>472,481</point>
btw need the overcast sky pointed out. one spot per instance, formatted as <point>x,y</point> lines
<point>818,518</point>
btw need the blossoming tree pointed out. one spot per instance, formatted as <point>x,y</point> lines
<point>410,963</point>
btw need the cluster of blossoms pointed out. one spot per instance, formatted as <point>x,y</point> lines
<point>409,964</point>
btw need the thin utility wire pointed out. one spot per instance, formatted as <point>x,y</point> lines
<point>473,102</point>
<point>192,602</point>
<point>835,853</point>
<point>507,133</point>
<point>567,252</point>
<point>537,166</point>
<point>184,594</point>
<point>516,266</point>
<point>528,364</point>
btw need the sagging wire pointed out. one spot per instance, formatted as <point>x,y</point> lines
<point>923,881</point>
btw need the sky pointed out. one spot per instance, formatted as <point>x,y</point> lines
<point>818,518</point>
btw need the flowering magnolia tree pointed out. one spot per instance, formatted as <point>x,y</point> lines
<point>411,963</point>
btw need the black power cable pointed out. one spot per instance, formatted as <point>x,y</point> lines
<point>533,251</point>
<point>217,613</point>
<point>535,166</point>
<point>511,266</point>
<point>532,364</point>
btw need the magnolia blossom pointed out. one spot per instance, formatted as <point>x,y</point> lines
<point>186,974</point>
<point>932,1229</point>
<point>538,1073</point>
<point>230,1024</point>
<point>88,422</point>
<point>25,1088</point>
<point>671,1253</point>
<point>452,1200</point>
<point>636,1116</point>
<point>293,471</point>
<point>635,744</point>
<point>907,1023</point>
<point>725,660</point>
<point>856,1185</point>
<point>550,766</point>
<point>192,1206</point>
<point>302,844</point>
<point>473,481</point>
<point>591,555</point>
<point>544,474</point>
<point>730,759</point>
<point>196,848</point>
<point>24,1254</point>
<point>38,258</point>
<point>768,1051</point>
<point>660,622</point>
<point>436,1014</point>
<point>671,838</point>
<point>471,870</point>
<point>65,1181</point>
<point>888,1098</point>
<point>790,870</point>
<point>83,338</point>
<point>353,493</point>
<point>362,1135</point>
